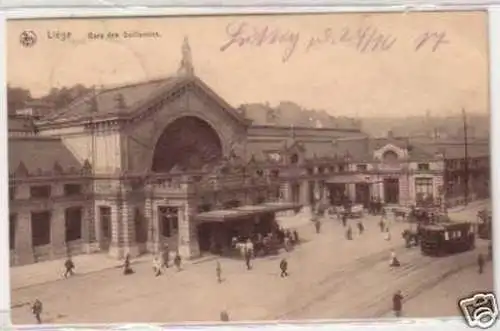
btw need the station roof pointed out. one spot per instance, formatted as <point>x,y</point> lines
<point>40,156</point>
<point>242,212</point>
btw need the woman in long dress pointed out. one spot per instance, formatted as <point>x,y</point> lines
<point>387,234</point>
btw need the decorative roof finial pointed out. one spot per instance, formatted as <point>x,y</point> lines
<point>186,67</point>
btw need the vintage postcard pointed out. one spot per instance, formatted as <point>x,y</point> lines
<point>250,168</point>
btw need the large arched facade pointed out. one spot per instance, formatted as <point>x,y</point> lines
<point>188,143</point>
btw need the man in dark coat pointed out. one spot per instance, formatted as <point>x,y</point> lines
<point>284,268</point>
<point>248,258</point>
<point>36,309</point>
<point>397,303</point>
<point>348,233</point>
<point>381,224</point>
<point>224,316</point>
<point>317,225</point>
<point>127,270</point>
<point>178,261</point>
<point>69,266</point>
<point>480,262</point>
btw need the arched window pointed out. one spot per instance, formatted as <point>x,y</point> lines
<point>390,157</point>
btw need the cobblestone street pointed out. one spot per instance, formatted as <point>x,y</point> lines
<point>330,277</point>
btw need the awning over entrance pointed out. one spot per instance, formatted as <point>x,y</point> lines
<point>245,212</point>
<point>352,179</point>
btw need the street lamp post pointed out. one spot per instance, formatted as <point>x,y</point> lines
<point>466,159</point>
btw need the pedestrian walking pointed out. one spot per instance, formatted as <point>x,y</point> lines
<point>177,261</point>
<point>344,219</point>
<point>127,270</point>
<point>317,225</point>
<point>397,303</point>
<point>480,262</point>
<point>381,224</point>
<point>284,268</point>
<point>361,227</point>
<point>69,266</point>
<point>248,258</point>
<point>218,272</point>
<point>157,265</point>
<point>348,233</point>
<point>224,316</point>
<point>36,309</point>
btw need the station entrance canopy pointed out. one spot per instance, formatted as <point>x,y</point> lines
<point>245,212</point>
<point>353,179</point>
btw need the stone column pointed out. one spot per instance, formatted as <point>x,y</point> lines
<point>326,194</point>
<point>153,225</point>
<point>351,191</point>
<point>23,239</point>
<point>58,233</point>
<point>188,236</point>
<point>315,191</point>
<point>304,197</point>
<point>116,244</point>
<point>128,228</point>
<point>97,225</point>
<point>89,230</point>
<point>304,193</point>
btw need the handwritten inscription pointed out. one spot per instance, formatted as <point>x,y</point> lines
<point>241,34</point>
<point>432,39</point>
<point>365,39</point>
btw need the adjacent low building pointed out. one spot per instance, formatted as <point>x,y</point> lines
<point>130,168</point>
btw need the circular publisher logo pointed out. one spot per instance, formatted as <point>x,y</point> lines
<point>28,38</point>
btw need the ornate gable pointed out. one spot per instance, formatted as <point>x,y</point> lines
<point>400,153</point>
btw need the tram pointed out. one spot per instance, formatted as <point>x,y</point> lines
<point>446,238</point>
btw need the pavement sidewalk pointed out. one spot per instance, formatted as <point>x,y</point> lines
<point>50,271</point>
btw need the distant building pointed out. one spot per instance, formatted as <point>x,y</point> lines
<point>34,108</point>
<point>409,172</point>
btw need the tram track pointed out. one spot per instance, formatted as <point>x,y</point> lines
<point>338,289</point>
<point>333,281</point>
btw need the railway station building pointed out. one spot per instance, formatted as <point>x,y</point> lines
<point>126,169</point>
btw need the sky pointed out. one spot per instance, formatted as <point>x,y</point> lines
<point>384,64</point>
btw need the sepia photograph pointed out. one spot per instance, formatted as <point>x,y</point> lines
<point>250,168</point>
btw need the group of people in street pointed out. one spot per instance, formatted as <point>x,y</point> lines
<point>161,261</point>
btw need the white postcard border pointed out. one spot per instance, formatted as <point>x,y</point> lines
<point>454,324</point>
